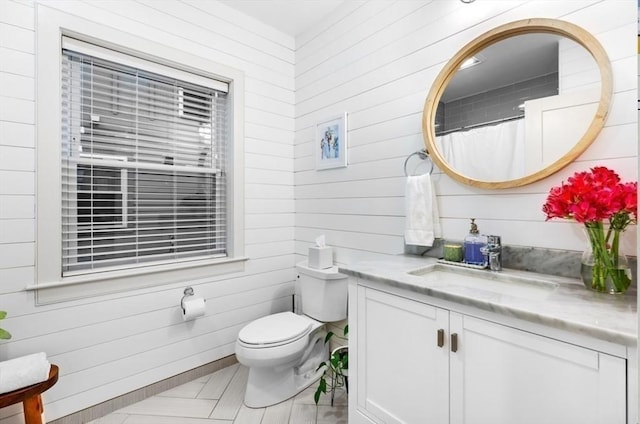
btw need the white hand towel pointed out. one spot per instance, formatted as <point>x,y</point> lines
<point>422,223</point>
<point>23,371</point>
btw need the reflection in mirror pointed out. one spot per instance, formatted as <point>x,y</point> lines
<point>535,96</point>
<point>517,106</point>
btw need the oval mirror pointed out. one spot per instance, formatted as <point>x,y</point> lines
<point>518,103</point>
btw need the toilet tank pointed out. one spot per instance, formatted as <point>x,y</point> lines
<point>323,293</point>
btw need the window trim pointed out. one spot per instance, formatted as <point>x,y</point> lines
<point>49,285</point>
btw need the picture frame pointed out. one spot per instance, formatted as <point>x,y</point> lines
<point>330,142</point>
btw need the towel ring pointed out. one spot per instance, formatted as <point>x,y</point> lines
<point>422,154</point>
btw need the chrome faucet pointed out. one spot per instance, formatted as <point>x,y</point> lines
<point>492,253</point>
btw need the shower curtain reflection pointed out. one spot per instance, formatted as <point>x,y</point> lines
<point>488,153</point>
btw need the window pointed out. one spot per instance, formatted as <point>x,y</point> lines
<point>140,171</point>
<point>143,159</point>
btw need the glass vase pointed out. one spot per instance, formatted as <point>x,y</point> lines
<point>604,268</point>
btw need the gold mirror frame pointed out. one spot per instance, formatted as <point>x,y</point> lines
<point>521,27</point>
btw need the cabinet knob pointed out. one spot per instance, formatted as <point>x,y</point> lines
<point>454,342</point>
<point>440,337</point>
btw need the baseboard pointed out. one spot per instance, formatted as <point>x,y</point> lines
<point>100,410</point>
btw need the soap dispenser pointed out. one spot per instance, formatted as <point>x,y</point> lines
<point>473,242</point>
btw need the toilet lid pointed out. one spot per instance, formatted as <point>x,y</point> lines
<point>275,329</point>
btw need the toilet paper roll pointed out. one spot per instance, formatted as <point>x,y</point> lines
<point>192,308</point>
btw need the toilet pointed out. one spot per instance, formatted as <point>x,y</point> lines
<point>283,350</point>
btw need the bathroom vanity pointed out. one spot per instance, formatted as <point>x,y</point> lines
<point>433,343</point>
<point>438,344</point>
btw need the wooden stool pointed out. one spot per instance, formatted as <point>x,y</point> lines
<point>30,397</point>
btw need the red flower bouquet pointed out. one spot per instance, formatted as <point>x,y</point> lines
<point>593,198</point>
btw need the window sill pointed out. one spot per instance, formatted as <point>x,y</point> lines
<point>88,285</point>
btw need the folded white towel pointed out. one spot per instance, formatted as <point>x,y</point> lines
<point>23,371</point>
<point>422,223</point>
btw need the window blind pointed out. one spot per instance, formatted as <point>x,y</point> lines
<point>143,165</point>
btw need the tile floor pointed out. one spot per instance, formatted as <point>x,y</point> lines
<point>217,399</point>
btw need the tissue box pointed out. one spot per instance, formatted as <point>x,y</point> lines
<point>320,257</point>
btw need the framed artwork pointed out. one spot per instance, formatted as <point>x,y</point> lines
<point>330,143</point>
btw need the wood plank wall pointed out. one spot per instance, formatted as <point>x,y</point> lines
<point>376,60</point>
<point>109,345</point>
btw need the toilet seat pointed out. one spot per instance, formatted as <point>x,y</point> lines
<point>275,330</point>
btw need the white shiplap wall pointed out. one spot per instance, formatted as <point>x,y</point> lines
<point>107,346</point>
<point>377,61</point>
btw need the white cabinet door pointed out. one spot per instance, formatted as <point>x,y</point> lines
<point>403,375</point>
<point>504,375</point>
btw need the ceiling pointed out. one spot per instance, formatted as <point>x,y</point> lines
<point>292,17</point>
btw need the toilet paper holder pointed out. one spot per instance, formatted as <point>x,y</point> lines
<point>187,292</point>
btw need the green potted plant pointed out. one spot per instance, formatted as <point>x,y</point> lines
<point>336,369</point>
<point>4,334</point>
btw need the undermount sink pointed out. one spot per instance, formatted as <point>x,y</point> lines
<point>484,283</point>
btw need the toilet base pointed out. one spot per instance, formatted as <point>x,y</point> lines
<point>267,386</point>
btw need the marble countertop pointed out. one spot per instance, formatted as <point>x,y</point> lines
<point>558,302</point>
